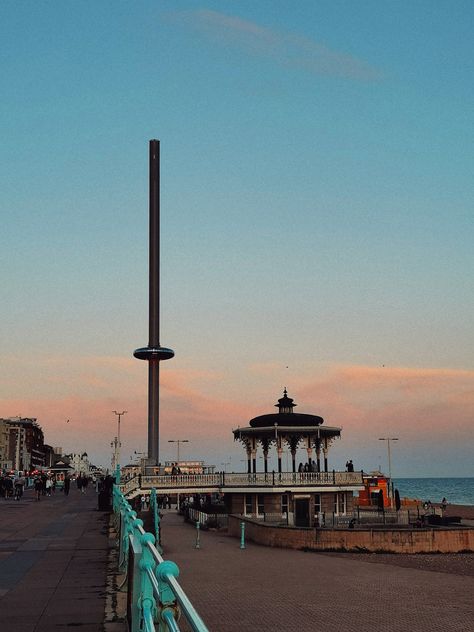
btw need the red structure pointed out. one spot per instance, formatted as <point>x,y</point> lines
<point>374,483</point>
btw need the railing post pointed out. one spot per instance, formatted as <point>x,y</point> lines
<point>273,478</point>
<point>156,518</point>
<point>242,535</point>
<point>167,598</point>
<point>198,544</point>
<point>334,477</point>
<point>147,603</point>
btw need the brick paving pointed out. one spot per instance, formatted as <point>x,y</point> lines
<point>269,589</point>
<point>53,563</point>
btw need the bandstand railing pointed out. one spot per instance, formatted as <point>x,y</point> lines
<point>223,480</point>
<point>155,599</point>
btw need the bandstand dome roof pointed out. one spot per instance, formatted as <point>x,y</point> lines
<point>285,419</point>
<point>285,416</point>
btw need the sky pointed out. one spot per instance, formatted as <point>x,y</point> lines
<point>316,223</point>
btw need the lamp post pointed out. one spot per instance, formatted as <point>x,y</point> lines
<point>178,441</point>
<point>225,465</point>
<point>388,439</point>
<point>117,448</point>
<point>113,445</point>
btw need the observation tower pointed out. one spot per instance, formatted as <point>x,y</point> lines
<point>154,353</point>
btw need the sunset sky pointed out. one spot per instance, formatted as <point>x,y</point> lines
<point>317,224</point>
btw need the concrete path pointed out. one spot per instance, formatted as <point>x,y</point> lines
<point>53,563</point>
<point>268,589</point>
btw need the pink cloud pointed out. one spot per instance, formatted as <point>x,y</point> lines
<point>287,49</point>
<point>429,409</point>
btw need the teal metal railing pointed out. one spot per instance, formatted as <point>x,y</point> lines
<point>155,601</point>
<point>155,514</point>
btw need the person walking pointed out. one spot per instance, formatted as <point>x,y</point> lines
<point>38,484</point>
<point>67,485</point>
<point>48,486</point>
<point>19,485</point>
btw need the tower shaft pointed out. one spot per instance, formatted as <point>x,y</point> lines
<point>154,353</point>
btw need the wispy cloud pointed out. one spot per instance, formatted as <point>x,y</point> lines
<point>429,409</point>
<point>284,48</point>
<point>414,401</point>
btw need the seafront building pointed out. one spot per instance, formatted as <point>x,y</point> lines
<point>302,496</point>
<point>23,443</point>
<point>311,489</point>
<point>79,462</point>
<point>4,435</point>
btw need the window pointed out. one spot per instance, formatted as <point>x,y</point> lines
<point>248,504</point>
<point>340,503</point>
<point>260,505</point>
<point>284,504</point>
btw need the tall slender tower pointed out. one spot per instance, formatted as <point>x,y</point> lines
<point>154,353</point>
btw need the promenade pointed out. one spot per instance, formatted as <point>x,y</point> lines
<point>53,563</point>
<point>269,589</point>
<point>54,576</point>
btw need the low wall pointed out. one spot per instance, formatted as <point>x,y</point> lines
<point>388,540</point>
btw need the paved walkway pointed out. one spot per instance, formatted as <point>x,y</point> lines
<point>268,589</point>
<point>53,563</point>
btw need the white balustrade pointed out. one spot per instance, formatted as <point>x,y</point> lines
<point>260,479</point>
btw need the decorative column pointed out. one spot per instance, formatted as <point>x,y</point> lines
<point>249,460</point>
<point>280,454</point>
<point>318,455</point>
<point>265,460</point>
<point>309,450</point>
<point>325,452</point>
<point>254,461</point>
<point>293,459</point>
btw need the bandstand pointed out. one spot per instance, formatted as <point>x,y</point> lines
<point>304,496</point>
<point>290,429</point>
<point>307,494</point>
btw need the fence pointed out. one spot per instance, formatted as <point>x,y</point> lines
<point>388,517</point>
<point>207,519</point>
<point>155,599</point>
<point>223,480</point>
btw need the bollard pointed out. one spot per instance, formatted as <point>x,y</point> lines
<point>242,535</point>
<point>197,535</point>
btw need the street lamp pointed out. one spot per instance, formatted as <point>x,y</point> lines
<point>117,448</point>
<point>178,441</point>
<point>225,465</point>
<point>388,439</point>
<point>113,444</point>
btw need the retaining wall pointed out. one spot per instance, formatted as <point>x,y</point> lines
<point>388,540</point>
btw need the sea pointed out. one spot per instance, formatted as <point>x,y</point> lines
<point>458,491</point>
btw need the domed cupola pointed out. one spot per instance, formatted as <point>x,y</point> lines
<point>285,404</point>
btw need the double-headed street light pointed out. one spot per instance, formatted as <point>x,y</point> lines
<point>178,441</point>
<point>388,439</point>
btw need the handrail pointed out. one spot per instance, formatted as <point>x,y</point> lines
<point>223,480</point>
<point>155,518</point>
<point>156,596</point>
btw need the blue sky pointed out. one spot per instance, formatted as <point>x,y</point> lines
<point>316,193</point>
